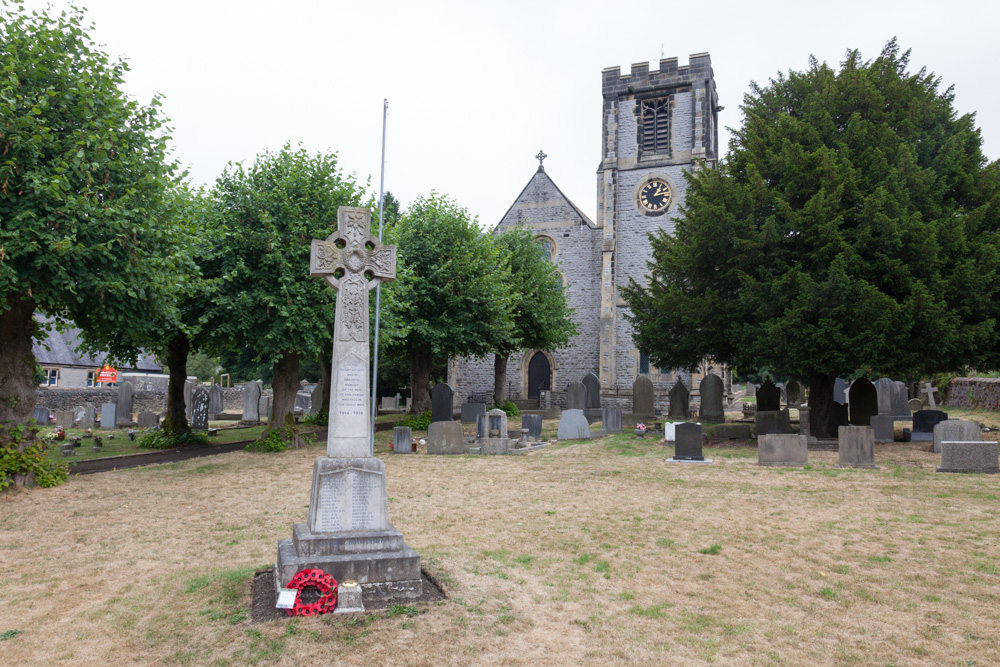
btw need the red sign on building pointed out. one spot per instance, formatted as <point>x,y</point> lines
<point>107,374</point>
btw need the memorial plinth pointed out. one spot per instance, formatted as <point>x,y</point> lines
<point>348,533</point>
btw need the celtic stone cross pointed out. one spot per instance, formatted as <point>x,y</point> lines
<point>352,261</point>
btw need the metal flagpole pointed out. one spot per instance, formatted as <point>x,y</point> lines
<point>378,287</point>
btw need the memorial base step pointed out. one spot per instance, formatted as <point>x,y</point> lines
<point>385,575</point>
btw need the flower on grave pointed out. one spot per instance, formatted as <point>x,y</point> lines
<point>640,427</point>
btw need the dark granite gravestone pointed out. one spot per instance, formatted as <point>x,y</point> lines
<point>642,397</point>
<point>680,401</point>
<point>534,425</point>
<point>402,440</point>
<point>199,409</point>
<point>611,419</point>
<point>768,397</point>
<point>215,400</point>
<point>470,411</point>
<point>924,422</point>
<point>123,411</point>
<point>687,442</point>
<point>42,416</point>
<point>442,403</point>
<point>576,396</point>
<point>840,391</point>
<point>768,422</point>
<point>712,390</point>
<point>793,394</point>
<point>862,401</point>
<point>593,386</point>
<point>838,417</point>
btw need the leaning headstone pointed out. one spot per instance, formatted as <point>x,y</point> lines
<point>642,398</point>
<point>573,425</point>
<point>611,419</point>
<point>442,403</point>
<point>914,404</point>
<point>768,397</point>
<point>688,442</point>
<point>147,419</point>
<point>783,450</point>
<point>924,422</point>
<point>199,409</point>
<point>883,428</point>
<point>793,392</point>
<point>216,401</point>
<point>348,534</point>
<point>402,440</point>
<point>840,391</point>
<point>712,390</point>
<point>856,445</point>
<point>42,416</point>
<point>123,412</point>
<point>497,423</point>
<point>956,430</point>
<point>863,401</point>
<point>65,418</point>
<point>680,401</point>
<point>534,425</point>
<point>593,386</point>
<point>108,415</point>
<point>970,457</point>
<point>445,437</point>
<point>576,396</point>
<point>771,422</point>
<point>470,411</point>
<point>251,402</point>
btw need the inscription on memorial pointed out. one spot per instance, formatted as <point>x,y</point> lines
<point>352,389</point>
<point>349,500</point>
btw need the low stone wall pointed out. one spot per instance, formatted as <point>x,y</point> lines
<point>67,399</point>
<point>981,393</point>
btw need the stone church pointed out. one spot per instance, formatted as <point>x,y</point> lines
<point>655,125</point>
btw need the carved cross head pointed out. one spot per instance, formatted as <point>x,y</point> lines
<point>351,253</point>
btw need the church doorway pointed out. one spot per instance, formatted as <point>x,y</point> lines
<point>539,374</point>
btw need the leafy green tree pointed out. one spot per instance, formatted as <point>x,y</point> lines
<point>852,230</point>
<point>84,206</point>
<point>203,366</point>
<point>449,297</point>
<point>272,210</point>
<point>539,310</point>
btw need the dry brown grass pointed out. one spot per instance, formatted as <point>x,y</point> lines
<point>587,552</point>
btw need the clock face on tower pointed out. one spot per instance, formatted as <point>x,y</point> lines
<point>654,197</point>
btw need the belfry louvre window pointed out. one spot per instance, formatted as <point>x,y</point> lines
<point>654,131</point>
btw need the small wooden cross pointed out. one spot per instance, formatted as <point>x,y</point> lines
<point>929,389</point>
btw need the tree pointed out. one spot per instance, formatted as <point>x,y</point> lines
<point>272,211</point>
<point>852,230</point>
<point>84,211</point>
<point>449,297</point>
<point>541,316</point>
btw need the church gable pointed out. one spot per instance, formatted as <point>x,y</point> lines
<point>542,205</point>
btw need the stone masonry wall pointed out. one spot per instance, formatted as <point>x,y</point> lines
<point>981,393</point>
<point>67,399</point>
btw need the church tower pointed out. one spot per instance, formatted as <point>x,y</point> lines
<point>655,125</point>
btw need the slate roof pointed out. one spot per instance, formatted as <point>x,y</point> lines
<point>60,349</point>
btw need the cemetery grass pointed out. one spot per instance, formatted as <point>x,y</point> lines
<point>586,552</point>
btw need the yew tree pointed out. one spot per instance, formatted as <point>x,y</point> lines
<point>852,230</point>
<point>271,211</point>
<point>84,199</point>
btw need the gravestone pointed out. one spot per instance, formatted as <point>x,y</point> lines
<point>389,403</point>
<point>751,390</point>
<point>216,400</point>
<point>482,426</point>
<point>402,440</point>
<point>611,419</point>
<point>189,386</point>
<point>688,442</point>
<point>593,387</point>
<point>805,423</point>
<point>769,422</point>
<point>442,403</point>
<point>840,391</point>
<point>712,391</point>
<point>108,415</point>
<point>883,388</point>
<point>862,400</point>
<point>837,417</point>
<point>930,390</point>
<point>446,438</point>
<point>732,432</point>
<point>87,420</point>
<point>793,392</point>
<point>148,419</point>
<point>883,427</point>
<point>348,534</point>
<point>970,457</point>
<point>924,422</point>
<point>900,400</point>
<point>856,446</point>
<point>303,399</point>
<point>573,426</point>
<point>642,398</point>
<point>251,402</point>
<point>534,425</point>
<point>264,406</point>
<point>199,409</point>
<point>65,418</point>
<point>790,451</point>
<point>955,430</point>
<point>470,411</point>
<point>576,396</point>
<point>42,416</point>
<point>126,393</point>
<point>680,401</point>
<point>768,397</point>
<point>497,419</point>
<point>914,404</point>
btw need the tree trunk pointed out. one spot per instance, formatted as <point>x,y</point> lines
<point>285,386</point>
<point>176,421</point>
<point>420,370</point>
<point>322,392</point>
<point>821,403</point>
<point>17,371</point>
<point>499,379</point>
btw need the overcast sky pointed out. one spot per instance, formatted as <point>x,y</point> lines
<point>475,89</point>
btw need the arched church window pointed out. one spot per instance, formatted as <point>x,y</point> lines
<point>548,246</point>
